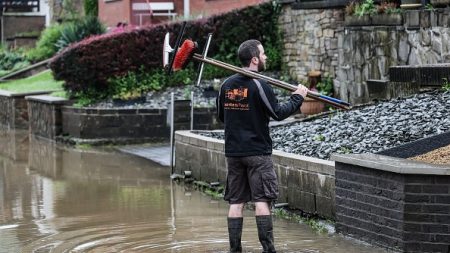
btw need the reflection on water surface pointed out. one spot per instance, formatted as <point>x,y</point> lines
<point>60,199</point>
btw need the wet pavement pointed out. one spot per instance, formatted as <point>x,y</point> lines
<point>159,153</point>
<point>62,199</point>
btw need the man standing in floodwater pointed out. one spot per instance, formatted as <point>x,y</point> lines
<point>245,105</point>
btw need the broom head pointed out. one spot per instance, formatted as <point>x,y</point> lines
<point>184,54</point>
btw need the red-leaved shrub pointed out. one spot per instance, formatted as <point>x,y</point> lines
<point>87,65</point>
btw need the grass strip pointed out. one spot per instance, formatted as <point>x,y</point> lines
<point>40,82</point>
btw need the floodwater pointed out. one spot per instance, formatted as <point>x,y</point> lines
<point>61,199</point>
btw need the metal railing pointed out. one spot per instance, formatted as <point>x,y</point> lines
<point>425,75</point>
<point>19,5</point>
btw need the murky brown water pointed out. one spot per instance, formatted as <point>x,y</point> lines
<point>59,199</point>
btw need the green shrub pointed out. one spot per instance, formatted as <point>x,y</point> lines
<point>76,31</point>
<point>69,11</point>
<point>445,84</point>
<point>59,36</point>
<point>11,61</point>
<point>46,45</point>
<point>367,7</point>
<point>325,87</point>
<point>90,8</point>
<point>135,84</point>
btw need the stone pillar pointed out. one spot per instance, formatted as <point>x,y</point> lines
<point>45,115</point>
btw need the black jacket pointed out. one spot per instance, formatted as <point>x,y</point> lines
<point>245,105</point>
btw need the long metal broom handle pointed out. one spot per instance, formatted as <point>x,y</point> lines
<point>314,95</point>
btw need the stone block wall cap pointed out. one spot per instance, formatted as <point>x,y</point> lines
<point>5,93</point>
<point>391,164</point>
<point>377,80</point>
<point>22,94</point>
<point>13,14</point>
<point>410,6</point>
<point>189,133</point>
<point>444,65</point>
<point>48,99</point>
<point>286,1</point>
<point>303,158</point>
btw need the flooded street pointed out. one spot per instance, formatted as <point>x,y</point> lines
<point>61,199</point>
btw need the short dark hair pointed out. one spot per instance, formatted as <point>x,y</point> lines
<point>247,50</point>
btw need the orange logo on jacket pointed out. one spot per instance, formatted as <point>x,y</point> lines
<point>237,94</point>
<point>235,99</point>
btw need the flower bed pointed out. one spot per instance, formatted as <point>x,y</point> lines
<point>437,156</point>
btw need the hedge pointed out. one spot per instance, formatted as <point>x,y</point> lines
<point>87,66</point>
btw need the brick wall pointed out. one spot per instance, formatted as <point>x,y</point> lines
<point>369,205</point>
<point>212,7</point>
<point>132,124</point>
<point>113,11</point>
<point>305,183</point>
<point>427,213</point>
<point>93,123</point>
<point>394,203</point>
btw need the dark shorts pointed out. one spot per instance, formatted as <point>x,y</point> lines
<point>251,178</point>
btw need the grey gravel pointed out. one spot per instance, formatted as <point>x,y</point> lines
<point>204,95</point>
<point>368,129</point>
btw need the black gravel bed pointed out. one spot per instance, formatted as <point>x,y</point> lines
<point>369,129</point>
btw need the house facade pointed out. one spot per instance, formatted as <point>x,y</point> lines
<point>20,18</point>
<point>146,12</point>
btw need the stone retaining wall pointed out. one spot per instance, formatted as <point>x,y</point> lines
<point>97,123</point>
<point>310,40</point>
<point>131,124</point>
<point>50,118</point>
<point>45,115</point>
<point>352,53</point>
<point>14,109</point>
<point>305,183</point>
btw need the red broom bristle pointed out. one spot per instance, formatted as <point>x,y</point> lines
<point>183,55</point>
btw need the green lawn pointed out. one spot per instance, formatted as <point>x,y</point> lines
<point>41,82</point>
